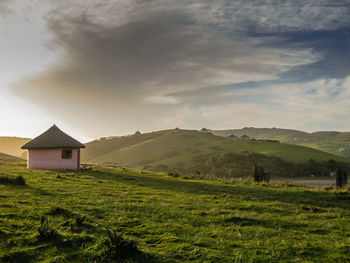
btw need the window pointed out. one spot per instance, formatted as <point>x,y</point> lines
<point>66,154</point>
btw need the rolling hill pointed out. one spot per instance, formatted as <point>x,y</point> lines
<point>7,156</point>
<point>189,151</point>
<point>195,152</point>
<point>333,142</point>
<point>12,146</point>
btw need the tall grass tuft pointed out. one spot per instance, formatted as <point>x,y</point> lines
<point>118,248</point>
<point>46,232</point>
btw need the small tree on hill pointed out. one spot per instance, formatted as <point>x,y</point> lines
<point>341,178</point>
<point>259,175</point>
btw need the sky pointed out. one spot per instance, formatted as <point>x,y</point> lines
<point>102,68</point>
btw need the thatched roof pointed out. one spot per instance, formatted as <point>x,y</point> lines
<point>53,138</point>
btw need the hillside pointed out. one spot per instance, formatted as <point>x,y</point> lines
<point>192,151</point>
<point>104,146</point>
<point>12,146</point>
<point>333,142</point>
<point>7,156</point>
<point>65,216</point>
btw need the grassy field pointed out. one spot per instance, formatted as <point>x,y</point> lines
<point>172,219</point>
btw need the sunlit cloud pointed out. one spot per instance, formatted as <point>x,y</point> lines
<point>133,65</point>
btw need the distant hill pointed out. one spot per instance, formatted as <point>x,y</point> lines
<point>192,151</point>
<point>100,147</point>
<point>7,156</point>
<point>333,142</point>
<point>12,146</point>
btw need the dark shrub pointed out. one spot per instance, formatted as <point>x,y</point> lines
<point>79,219</point>
<point>341,178</point>
<point>116,247</point>
<point>20,180</point>
<point>174,174</point>
<point>12,180</point>
<point>259,175</point>
<point>55,211</point>
<point>46,232</point>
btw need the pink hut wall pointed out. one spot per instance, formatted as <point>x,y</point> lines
<point>51,159</point>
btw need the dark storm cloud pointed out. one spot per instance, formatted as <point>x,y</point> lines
<point>128,64</point>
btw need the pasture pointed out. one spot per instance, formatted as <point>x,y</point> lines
<point>171,218</point>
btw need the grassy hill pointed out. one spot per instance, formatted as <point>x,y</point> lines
<point>192,151</point>
<point>66,216</point>
<point>7,156</point>
<point>12,146</point>
<point>333,142</point>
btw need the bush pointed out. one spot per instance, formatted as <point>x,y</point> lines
<point>54,211</point>
<point>341,178</point>
<point>46,232</point>
<point>118,248</point>
<point>259,175</point>
<point>79,219</point>
<point>12,180</point>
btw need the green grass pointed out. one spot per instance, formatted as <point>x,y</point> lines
<point>172,219</point>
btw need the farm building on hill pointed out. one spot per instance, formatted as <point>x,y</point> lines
<point>245,137</point>
<point>53,150</point>
<point>232,137</point>
<point>204,130</point>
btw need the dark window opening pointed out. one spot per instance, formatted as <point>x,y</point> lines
<point>66,154</point>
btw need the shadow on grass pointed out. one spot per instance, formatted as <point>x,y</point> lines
<point>33,189</point>
<point>18,256</point>
<point>69,251</point>
<point>245,221</point>
<point>252,192</point>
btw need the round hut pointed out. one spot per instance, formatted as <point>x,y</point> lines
<point>53,150</point>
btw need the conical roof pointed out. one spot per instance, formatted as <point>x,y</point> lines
<point>53,138</point>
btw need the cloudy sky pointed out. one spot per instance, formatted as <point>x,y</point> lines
<point>98,68</point>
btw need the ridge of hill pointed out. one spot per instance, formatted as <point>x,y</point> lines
<point>333,142</point>
<point>104,146</point>
<point>12,146</point>
<point>195,152</point>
